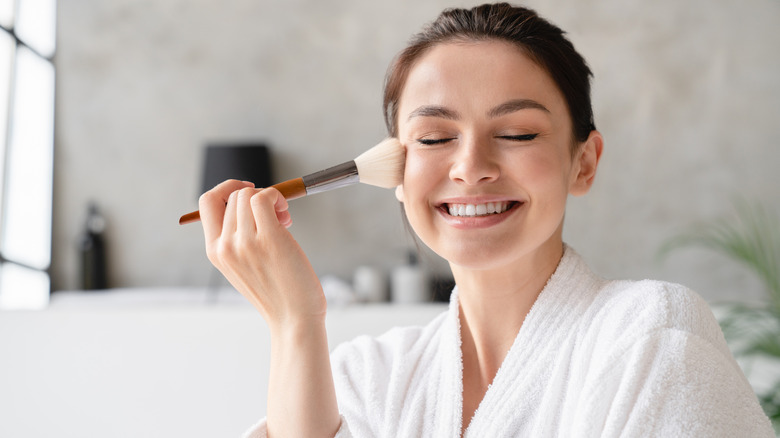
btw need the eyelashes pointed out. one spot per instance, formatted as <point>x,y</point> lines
<point>435,141</point>
<point>522,137</point>
<point>429,141</point>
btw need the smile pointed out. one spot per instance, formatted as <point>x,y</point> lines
<point>477,210</point>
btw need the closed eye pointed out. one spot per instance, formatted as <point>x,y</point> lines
<point>523,137</point>
<point>432,141</point>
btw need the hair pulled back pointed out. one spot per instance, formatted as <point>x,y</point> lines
<point>542,41</point>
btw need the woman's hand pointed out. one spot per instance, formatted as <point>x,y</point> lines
<point>247,240</point>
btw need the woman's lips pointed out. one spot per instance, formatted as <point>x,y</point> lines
<point>477,214</point>
<point>474,210</point>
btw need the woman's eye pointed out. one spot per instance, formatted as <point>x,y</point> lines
<point>522,137</point>
<point>432,141</point>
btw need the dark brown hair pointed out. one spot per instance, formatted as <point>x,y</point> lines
<point>542,41</point>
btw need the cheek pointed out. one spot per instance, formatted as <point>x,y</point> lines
<point>543,174</point>
<point>420,174</point>
<point>414,172</point>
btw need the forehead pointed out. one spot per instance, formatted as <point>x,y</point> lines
<point>476,76</point>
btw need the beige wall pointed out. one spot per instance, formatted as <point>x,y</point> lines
<point>686,94</point>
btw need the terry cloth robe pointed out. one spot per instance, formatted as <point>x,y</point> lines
<point>593,358</point>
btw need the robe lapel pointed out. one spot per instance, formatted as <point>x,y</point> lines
<point>534,372</point>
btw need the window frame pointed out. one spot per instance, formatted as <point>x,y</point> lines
<point>15,299</point>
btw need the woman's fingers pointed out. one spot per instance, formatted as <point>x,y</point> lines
<point>247,242</point>
<point>270,209</point>
<point>245,220</point>
<point>229,220</point>
<point>212,206</point>
<point>284,218</point>
<point>282,212</point>
<point>237,206</point>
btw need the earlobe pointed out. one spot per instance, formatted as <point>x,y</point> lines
<point>399,193</point>
<point>587,161</point>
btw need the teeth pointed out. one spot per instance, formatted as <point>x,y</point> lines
<point>473,210</point>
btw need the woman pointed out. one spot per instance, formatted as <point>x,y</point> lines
<point>493,106</point>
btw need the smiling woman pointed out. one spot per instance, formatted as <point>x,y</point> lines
<point>493,107</point>
<point>502,138</point>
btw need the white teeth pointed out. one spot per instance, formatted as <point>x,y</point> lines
<point>473,210</point>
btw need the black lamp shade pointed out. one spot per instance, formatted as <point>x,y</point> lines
<point>244,162</point>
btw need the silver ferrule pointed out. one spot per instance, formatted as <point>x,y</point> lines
<point>344,174</point>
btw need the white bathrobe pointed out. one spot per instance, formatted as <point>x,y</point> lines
<point>593,358</point>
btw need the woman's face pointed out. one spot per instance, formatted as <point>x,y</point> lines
<point>489,163</point>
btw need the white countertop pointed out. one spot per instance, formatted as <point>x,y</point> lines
<point>152,362</point>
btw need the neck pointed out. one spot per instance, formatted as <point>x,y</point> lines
<point>494,304</point>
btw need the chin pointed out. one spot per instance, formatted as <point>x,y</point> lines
<point>480,257</point>
<point>489,254</point>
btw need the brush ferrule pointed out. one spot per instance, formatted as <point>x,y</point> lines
<point>342,175</point>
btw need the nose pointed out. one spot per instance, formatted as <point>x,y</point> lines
<point>474,163</point>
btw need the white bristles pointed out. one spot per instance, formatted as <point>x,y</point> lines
<point>383,164</point>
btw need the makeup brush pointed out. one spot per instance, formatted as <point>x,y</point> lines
<point>381,166</point>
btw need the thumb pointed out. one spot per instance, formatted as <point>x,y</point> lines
<point>270,209</point>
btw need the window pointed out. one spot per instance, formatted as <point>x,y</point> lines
<point>27,46</point>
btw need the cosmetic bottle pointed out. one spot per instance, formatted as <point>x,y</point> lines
<point>409,283</point>
<point>370,284</point>
<point>92,251</point>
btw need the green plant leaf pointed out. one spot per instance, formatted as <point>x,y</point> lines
<point>751,237</point>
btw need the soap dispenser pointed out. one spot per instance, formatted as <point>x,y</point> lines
<point>93,252</point>
<point>409,282</point>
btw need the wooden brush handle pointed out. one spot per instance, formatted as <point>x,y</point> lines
<point>292,189</point>
<point>193,216</point>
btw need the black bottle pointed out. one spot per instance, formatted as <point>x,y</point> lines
<point>93,252</point>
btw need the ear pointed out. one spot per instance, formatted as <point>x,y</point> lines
<point>399,193</point>
<point>585,164</point>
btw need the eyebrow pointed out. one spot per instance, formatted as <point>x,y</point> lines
<point>434,111</point>
<point>515,105</point>
<point>498,111</point>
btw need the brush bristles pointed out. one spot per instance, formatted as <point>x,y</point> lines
<point>383,164</point>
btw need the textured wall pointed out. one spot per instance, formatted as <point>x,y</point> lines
<point>686,94</point>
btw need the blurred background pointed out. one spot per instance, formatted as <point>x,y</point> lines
<point>112,104</point>
<point>686,95</point>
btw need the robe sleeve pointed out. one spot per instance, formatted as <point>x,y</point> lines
<point>259,430</point>
<point>672,382</point>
